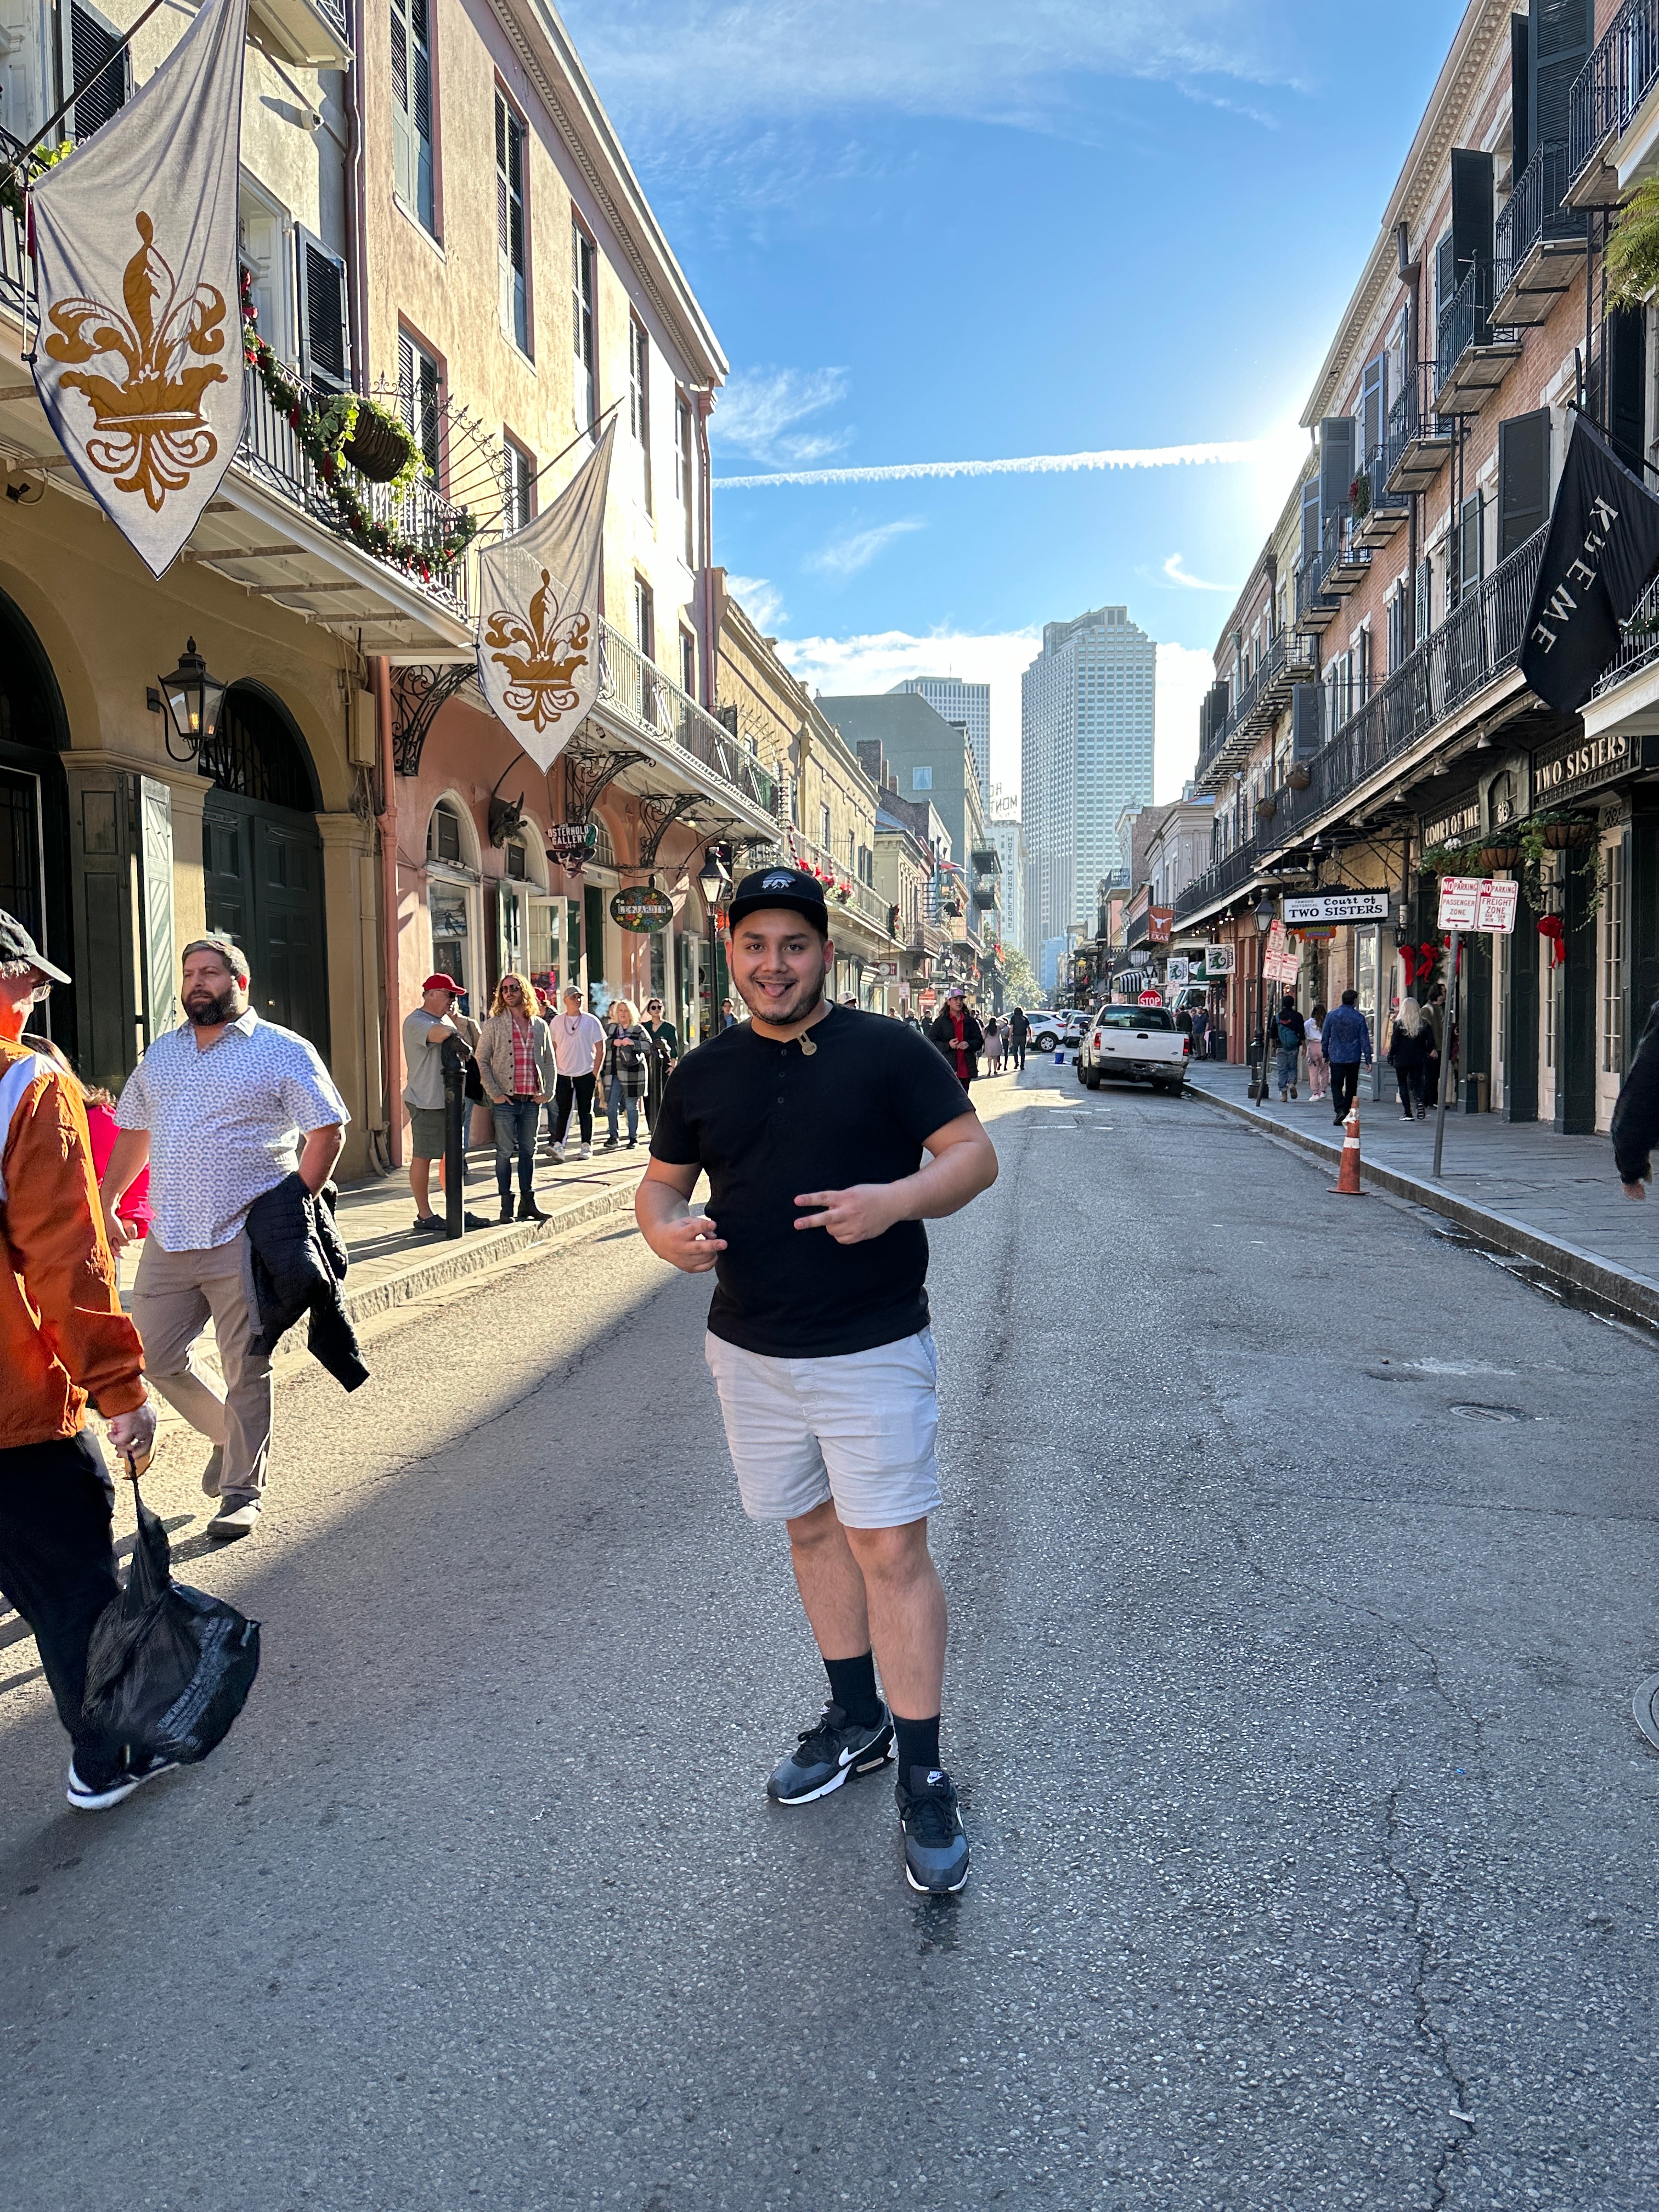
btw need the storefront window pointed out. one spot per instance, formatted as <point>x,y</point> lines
<point>1613,962</point>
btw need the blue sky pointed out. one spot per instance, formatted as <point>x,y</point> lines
<point>947,230</point>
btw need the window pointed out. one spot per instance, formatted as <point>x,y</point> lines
<point>639,399</point>
<point>1396,625</point>
<point>1468,550</point>
<point>518,861</point>
<point>518,486</point>
<point>582,281</point>
<point>96,59</point>
<point>411,110</point>
<point>1613,962</point>
<point>325,348</point>
<point>921,779</point>
<point>645,618</point>
<point>443,835</point>
<point>688,663</point>
<point>512,257</point>
<point>419,382</point>
<point>1425,598</point>
<point>1523,478</point>
<point>824,831</point>
<point>682,469</point>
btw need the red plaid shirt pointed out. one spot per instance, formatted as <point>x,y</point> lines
<point>524,1059</point>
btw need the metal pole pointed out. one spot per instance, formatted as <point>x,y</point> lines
<point>1445,1054</point>
<point>454,1055</point>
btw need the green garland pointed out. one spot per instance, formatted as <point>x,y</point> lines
<point>19,175</point>
<point>322,433</point>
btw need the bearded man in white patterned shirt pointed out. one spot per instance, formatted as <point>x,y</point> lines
<point>218,1108</point>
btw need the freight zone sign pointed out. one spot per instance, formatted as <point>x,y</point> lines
<point>1478,902</point>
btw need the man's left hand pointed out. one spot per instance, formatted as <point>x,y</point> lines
<point>853,1215</point>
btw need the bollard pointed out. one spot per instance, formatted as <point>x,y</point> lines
<point>454,1060</point>
<point>1347,1180</point>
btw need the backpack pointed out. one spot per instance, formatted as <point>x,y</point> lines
<point>1290,1030</point>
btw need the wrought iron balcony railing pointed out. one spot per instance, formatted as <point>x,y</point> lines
<point>1465,324</point>
<point>1534,212</point>
<point>645,695</point>
<point>1613,84</point>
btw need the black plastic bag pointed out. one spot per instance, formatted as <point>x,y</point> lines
<point>169,1669</point>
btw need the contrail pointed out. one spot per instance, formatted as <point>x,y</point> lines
<point>1121,457</point>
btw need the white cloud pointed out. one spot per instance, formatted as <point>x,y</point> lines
<point>1177,575</point>
<point>877,660</point>
<point>845,556</point>
<point>1184,674</point>
<point>761,601</point>
<point>756,410</point>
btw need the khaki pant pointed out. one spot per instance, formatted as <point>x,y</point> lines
<point>172,1300</point>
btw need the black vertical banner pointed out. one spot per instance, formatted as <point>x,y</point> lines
<point>1599,554</point>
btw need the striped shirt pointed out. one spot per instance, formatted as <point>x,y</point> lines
<point>224,1124</point>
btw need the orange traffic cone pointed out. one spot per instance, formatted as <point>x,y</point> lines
<point>1347,1180</point>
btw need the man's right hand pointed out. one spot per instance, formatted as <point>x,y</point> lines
<point>133,1434</point>
<point>120,1233</point>
<point>689,1243</point>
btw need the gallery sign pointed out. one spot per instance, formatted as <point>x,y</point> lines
<point>1575,765</point>
<point>1338,906</point>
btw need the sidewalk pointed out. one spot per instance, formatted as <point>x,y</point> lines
<point>1554,1201</point>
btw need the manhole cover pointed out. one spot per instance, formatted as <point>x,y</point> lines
<point>1474,1413</point>
<point>1642,1706</point>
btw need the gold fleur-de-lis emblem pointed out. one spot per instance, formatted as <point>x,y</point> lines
<point>541,657</point>
<point>148,429</point>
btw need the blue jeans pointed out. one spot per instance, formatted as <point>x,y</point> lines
<point>515,1131</point>
<point>613,1100</point>
<point>1288,1054</point>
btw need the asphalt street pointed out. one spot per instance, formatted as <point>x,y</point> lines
<point>1302,1566</point>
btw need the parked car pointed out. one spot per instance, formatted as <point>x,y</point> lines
<point>1142,1041</point>
<point>1058,1026</point>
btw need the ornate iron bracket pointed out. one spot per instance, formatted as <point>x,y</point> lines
<point>417,693</point>
<point>590,769</point>
<point>657,816</point>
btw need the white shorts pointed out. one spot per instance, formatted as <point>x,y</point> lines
<point>861,1428</point>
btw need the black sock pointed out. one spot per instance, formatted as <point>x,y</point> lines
<point>853,1686</point>
<point>918,1745</point>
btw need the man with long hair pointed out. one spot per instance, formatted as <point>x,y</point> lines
<point>515,1065</point>
<point>811,1120</point>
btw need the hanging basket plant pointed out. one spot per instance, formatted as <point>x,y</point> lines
<point>1299,777</point>
<point>1267,806</point>
<point>1360,497</point>
<point>379,444</point>
<point>1562,834</point>
<point>1450,860</point>
<point>1493,857</point>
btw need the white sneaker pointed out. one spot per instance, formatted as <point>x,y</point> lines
<point>142,1766</point>
<point>586,1152</point>
<point>557,1153</point>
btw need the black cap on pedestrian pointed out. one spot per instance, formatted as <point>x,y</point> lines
<point>788,887</point>
<point>17,943</point>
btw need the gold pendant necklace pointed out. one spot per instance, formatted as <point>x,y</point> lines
<point>808,1047</point>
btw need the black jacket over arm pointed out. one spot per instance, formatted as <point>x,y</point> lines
<point>1635,1129</point>
<point>294,1261</point>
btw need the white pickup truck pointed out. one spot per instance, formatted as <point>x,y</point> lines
<point>1142,1041</point>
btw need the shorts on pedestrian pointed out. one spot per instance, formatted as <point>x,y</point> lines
<point>426,1132</point>
<point>861,1428</point>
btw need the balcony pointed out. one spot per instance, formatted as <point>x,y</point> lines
<point>1606,101</point>
<point>1420,440</point>
<point>316,33</point>
<point>1386,509</point>
<point>1220,880</point>
<point>1540,242</point>
<point>1289,660</point>
<point>1317,608</point>
<point>1473,354</point>
<point>644,704</point>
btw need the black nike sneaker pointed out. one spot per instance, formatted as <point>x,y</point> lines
<point>828,1751</point>
<point>935,1848</point>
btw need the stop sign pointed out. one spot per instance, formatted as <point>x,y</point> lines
<point>1151,998</point>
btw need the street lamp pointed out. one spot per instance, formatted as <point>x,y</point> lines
<point>192,699</point>
<point>1264,920</point>
<point>712,880</point>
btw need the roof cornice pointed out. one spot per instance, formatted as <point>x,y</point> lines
<point>553,66</point>
<point>1485,22</point>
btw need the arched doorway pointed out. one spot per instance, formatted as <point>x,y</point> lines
<point>262,859</point>
<point>34,855</point>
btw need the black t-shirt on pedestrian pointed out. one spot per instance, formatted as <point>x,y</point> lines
<point>765,1122</point>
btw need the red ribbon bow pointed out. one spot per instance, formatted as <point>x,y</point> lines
<point>1552,926</point>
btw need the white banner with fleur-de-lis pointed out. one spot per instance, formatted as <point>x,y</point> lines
<point>539,614</point>
<point>138,355</point>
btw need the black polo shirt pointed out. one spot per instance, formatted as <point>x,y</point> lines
<point>765,1121</point>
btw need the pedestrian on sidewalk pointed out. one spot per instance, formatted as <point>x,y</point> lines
<point>515,1061</point>
<point>1319,1073</point>
<point>1635,1126</point>
<point>1019,1030</point>
<point>223,1108</point>
<point>993,1047</point>
<point>1434,1016</point>
<point>627,1068</point>
<point>64,1342</point>
<point>1408,1056</point>
<point>1291,1037</point>
<point>664,1051</point>
<point>1201,1034</point>
<point>427,1029</point>
<point>958,1035</point>
<point>818,1335</point>
<point>1345,1040</point>
<point>578,1039</point>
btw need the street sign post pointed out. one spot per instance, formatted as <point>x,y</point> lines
<point>1477,902</point>
<point>1446,1053</point>
<point>1282,963</point>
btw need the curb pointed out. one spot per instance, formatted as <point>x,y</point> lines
<point>1635,1295</point>
<point>472,1253</point>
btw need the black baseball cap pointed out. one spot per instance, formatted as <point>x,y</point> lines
<point>789,887</point>
<point>17,943</point>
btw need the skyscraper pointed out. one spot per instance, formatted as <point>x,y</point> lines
<point>1086,753</point>
<point>958,701</point>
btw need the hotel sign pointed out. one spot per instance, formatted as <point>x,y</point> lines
<point>1575,765</point>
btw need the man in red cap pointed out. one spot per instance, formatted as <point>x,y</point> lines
<point>426,1031</point>
<point>818,1336</point>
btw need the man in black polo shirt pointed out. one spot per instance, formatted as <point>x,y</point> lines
<point>811,1120</point>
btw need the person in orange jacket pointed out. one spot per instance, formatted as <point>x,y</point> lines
<point>64,1342</point>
